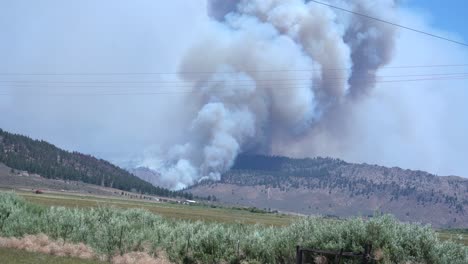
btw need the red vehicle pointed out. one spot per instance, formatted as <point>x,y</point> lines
<point>38,192</point>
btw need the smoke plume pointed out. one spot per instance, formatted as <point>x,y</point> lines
<point>291,78</point>
<point>271,73</point>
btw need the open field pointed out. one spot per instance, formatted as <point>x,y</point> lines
<point>108,231</point>
<point>29,181</point>
<point>16,256</point>
<point>176,211</point>
<point>187,212</point>
<point>456,234</point>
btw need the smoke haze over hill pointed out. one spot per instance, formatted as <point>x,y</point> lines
<point>273,77</point>
<point>247,101</point>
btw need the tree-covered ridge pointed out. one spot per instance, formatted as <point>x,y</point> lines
<point>360,180</point>
<point>40,157</point>
<point>279,163</point>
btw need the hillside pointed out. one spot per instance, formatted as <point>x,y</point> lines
<point>334,187</point>
<point>149,175</point>
<point>39,157</point>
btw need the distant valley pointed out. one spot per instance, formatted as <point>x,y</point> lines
<point>313,186</point>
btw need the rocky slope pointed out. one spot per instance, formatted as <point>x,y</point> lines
<point>333,187</point>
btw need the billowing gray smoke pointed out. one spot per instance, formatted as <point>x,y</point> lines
<point>274,72</point>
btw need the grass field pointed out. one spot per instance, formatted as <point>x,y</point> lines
<point>186,212</point>
<point>454,235</point>
<point>176,211</point>
<point>204,213</point>
<point>15,256</point>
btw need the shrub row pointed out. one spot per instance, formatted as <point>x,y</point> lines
<point>111,230</point>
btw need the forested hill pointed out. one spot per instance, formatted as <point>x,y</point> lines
<point>40,157</point>
<point>280,163</point>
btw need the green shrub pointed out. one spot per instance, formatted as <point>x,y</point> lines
<point>115,231</point>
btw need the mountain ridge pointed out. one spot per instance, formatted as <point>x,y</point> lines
<point>334,187</point>
<point>38,156</point>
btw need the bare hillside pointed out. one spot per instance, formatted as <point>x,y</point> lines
<point>333,187</point>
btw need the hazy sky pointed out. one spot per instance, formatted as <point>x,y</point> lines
<point>54,36</point>
<point>415,125</point>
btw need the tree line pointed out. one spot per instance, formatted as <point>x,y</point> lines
<point>40,157</point>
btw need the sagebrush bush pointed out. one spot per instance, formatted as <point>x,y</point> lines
<point>111,231</point>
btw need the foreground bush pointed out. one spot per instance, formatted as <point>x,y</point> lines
<point>111,231</point>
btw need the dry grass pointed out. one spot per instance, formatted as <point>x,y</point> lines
<point>320,260</point>
<point>18,256</point>
<point>42,244</point>
<point>378,254</point>
<point>140,258</point>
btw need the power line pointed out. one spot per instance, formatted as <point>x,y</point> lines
<point>223,72</point>
<point>390,23</point>
<point>238,83</point>
<point>36,82</point>
<point>189,91</point>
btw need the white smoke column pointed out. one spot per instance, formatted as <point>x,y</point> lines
<point>270,80</point>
